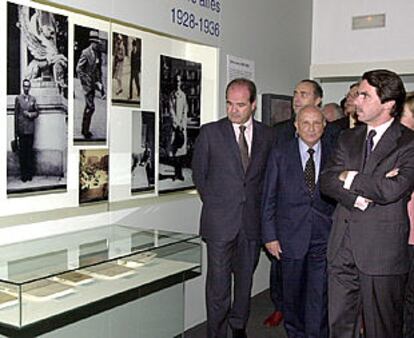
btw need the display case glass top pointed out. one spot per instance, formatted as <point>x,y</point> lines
<point>28,261</point>
<point>43,278</point>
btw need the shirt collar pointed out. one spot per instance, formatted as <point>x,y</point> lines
<point>303,147</point>
<point>380,130</point>
<point>247,124</point>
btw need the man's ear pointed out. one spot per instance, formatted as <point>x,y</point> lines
<point>389,105</point>
<point>318,102</point>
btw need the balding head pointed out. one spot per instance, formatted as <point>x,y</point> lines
<point>310,124</point>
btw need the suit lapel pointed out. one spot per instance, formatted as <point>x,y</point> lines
<point>257,141</point>
<point>324,158</point>
<point>385,146</point>
<point>357,148</point>
<point>297,170</point>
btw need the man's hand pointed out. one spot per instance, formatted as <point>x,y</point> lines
<point>99,85</point>
<point>274,248</point>
<point>392,173</point>
<point>342,176</point>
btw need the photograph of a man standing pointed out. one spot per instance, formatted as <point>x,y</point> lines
<point>228,169</point>
<point>25,114</point>
<point>90,85</point>
<point>371,175</point>
<point>37,75</point>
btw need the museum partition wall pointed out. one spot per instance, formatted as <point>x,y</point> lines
<point>369,35</point>
<point>100,118</point>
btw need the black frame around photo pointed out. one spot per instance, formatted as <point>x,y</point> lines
<point>276,108</point>
<point>179,121</point>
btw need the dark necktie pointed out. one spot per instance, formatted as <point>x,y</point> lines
<point>310,172</point>
<point>369,144</point>
<point>244,149</point>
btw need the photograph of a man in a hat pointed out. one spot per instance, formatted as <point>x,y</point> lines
<point>90,70</point>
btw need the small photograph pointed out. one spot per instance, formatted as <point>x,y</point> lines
<point>126,69</point>
<point>143,151</point>
<point>179,120</point>
<point>93,175</point>
<point>37,89</point>
<point>90,85</point>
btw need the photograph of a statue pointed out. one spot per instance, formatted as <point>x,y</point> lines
<point>37,93</point>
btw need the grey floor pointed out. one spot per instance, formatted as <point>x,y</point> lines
<point>261,307</point>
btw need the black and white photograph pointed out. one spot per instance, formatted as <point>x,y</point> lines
<point>126,69</point>
<point>179,121</point>
<point>143,151</point>
<point>90,85</point>
<point>93,175</point>
<point>37,89</point>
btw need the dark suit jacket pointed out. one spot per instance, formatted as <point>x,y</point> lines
<point>26,111</point>
<point>88,69</point>
<point>231,198</point>
<point>289,212</point>
<point>379,234</point>
<point>342,123</point>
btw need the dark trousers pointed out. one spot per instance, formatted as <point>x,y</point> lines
<point>133,78</point>
<point>409,300</point>
<point>238,257</point>
<point>88,112</point>
<point>276,288</point>
<point>26,156</point>
<point>305,294</point>
<point>380,297</point>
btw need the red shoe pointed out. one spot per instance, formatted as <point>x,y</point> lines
<point>274,319</point>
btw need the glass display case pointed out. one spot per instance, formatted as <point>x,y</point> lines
<point>53,276</point>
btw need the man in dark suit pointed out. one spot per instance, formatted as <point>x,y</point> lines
<point>135,64</point>
<point>89,72</point>
<point>371,175</point>
<point>26,112</point>
<point>307,92</point>
<point>229,162</point>
<point>296,221</point>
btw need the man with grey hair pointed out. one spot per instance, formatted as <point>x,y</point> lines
<point>296,221</point>
<point>332,111</point>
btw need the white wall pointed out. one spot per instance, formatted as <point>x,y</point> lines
<point>274,34</point>
<point>341,55</point>
<point>335,42</point>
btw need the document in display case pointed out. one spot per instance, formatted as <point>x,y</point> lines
<point>44,278</point>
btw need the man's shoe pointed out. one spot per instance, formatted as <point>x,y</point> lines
<point>87,135</point>
<point>274,319</point>
<point>179,177</point>
<point>239,333</point>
